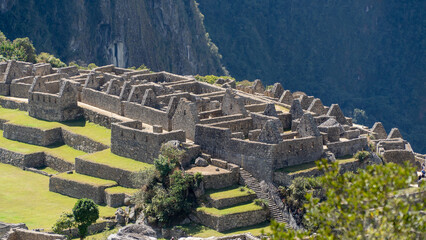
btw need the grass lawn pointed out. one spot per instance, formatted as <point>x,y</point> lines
<point>25,197</point>
<point>81,127</point>
<point>86,179</point>
<point>245,207</point>
<point>312,166</point>
<point>108,158</point>
<point>282,109</point>
<point>101,236</point>
<point>229,192</point>
<point>201,231</point>
<point>48,170</point>
<point>119,189</point>
<point>64,152</point>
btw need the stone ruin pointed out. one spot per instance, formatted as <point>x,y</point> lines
<point>226,125</point>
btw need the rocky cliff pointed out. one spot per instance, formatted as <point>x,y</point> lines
<point>162,34</point>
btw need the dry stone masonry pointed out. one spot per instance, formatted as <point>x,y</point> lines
<point>221,126</point>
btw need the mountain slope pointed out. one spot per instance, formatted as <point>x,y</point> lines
<point>162,34</point>
<point>366,54</point>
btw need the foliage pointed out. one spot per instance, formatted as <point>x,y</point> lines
<point>85,213</point>
<point>361,206</point>
<point>211,78</point>
<point>261,202</point>
<point>64,223</point>
<point>294,195</point>
<point>245,83</point>
<point>359,116</point>
<point>49,58</point>
<point>142,67</point>
<point>26,46</point>
<point>361,155</point>
<point>166,192</point>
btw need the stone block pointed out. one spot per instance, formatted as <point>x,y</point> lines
<point>35,136</point>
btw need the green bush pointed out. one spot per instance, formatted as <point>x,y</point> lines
<point>26,46</point>
<point>166,193</point>
<point>261,202</point>
<point>49,58</point>
<point>361,155</point>
<point>65,223</point>
<point>211,78</point>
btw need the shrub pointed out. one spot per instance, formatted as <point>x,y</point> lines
<point>261,202</point>
<point>64,223</point>
<point>27,48</point>
<point>361,155</point>
<point>211,78</point>
<point>166,192</point>
<point>49,58</point>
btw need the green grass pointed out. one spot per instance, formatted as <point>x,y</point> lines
<point>201,231</point>
<point>48,170</point>
<point>230,192</point>
<point>282,109</point>
<point>81,127</point>
<point>64,152</point>
<point>101,236</point>
<point>306,167</point>
<point>245,207</point>
<point>25,197</point>
<point>110,159</point>
<point>87,179</point>
<point>119,189</point>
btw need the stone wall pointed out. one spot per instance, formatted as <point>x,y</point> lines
<point>19,90</point>
<point>227,222</point>
<point>102,100</point>
<point>33,160</point>
<point>57,164</point>
<point>138,144</point>
<point>81,143</point>
<point>11,104</point>
<point>77,189</point>
<point>99,118</point>
<point>32,135</point>
<point>23,234</point>
<point>226,202</point>
<point>121,176</point>
<point>348,147</point>
<point>297,151</point>
<point>147,115</point>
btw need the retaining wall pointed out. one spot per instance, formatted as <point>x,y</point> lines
<point>81,143</point>
<point>31,135</point>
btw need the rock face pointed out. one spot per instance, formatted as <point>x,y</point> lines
<point>162,34</point>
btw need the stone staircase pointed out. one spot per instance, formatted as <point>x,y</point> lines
<point>279,213</point>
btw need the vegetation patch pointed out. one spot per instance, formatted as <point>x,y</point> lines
<point>245,207</point>
<point>211,78</point>
<point>86,179</point>
<point>108,158</point>
<point>43,208</point>
<point>306,167</point>
<point>230,192</point>
<point>119,189</point>
<point>281,108</point>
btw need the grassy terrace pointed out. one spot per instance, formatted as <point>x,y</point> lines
<point>119,189</point>
<point>245,207</point>
<point>42,208</point>
<point>81,127</point>
<point>201,231</point>
<point>230,192</point>
<point>61,151</point>
<point>87,179</point>
<point>306,167</point>
<point>281,108</point>
<point>107,158</point>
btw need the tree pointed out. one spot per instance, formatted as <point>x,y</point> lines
<point>85,213</point>
<point>365,205</point>
<point>166,192</point>
<point>26,46</point>
<point>65,222</point>
<point>49,58</point>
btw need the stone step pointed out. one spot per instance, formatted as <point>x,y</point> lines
<point>80,186</point>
